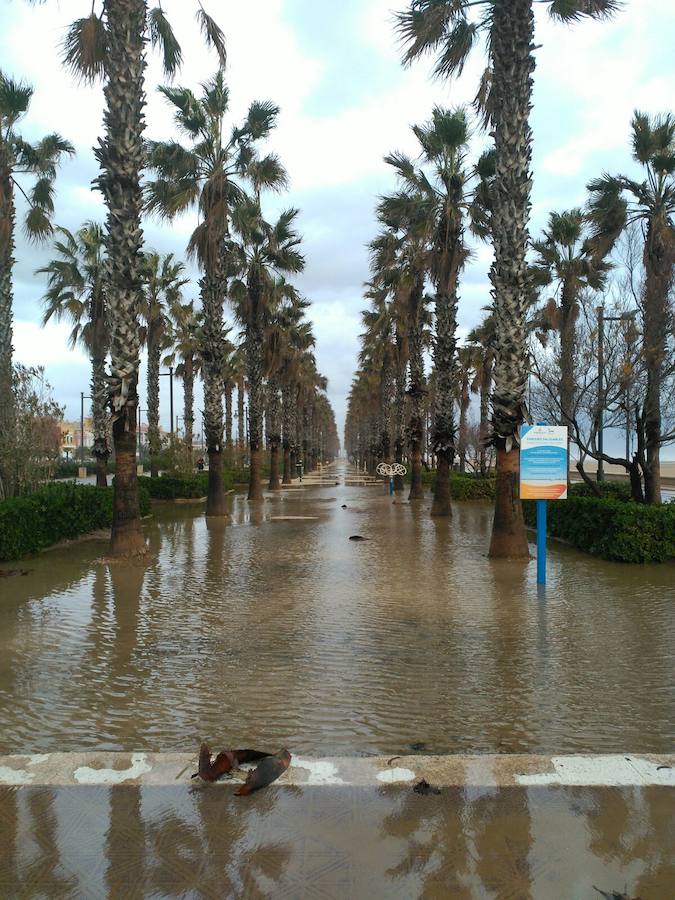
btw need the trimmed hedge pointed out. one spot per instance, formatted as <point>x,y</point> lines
<point>613,529</point>
<point>55,513</point>
<point>462,487</point>
<point>189,486</point>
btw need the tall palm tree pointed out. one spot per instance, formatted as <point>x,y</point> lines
<point>184,341</point>
<point>19,160</point>
<point>265,252</point>
<point>564,257</point>
<point>401,254</point>
<point>210,174</point>
<point>299,341</point>
<point>163,284</point>
<point>618,202</point>
<point>483,337</point>
<point>451,193</point>
<point>76,290</point>
<point>451,29</point>
<point>378,354</point>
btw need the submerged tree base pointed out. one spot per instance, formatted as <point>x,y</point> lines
<point>441,505</point>
<point>126,538</point>
<point>255,493</point>
<point>509,537</point>
<point>215,498</point>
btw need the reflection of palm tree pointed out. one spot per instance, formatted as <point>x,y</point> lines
<point>125,841</point>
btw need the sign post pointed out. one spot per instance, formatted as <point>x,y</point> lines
<point>543,476</point>
<point>389,470</point>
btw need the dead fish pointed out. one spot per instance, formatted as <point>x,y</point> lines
<point>423,787</point>
<point>8,573</point>
<point>265,773</point>
<point>212,770</point>
<point>358,537</point>
<point>224,762</point>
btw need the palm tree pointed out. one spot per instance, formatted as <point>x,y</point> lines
<point>19,160</point>
<point>400,254</point>
<point>483,337</point>
<point>163,283</point>
<point>564,256</point>
<point>265,252</point>
<point>299,341</point>
<point>450,29</point>
<point>210,174</point>
<point>377,354</point>
<point>183,341</point>
<point>76,290</point>
<point>618,202</point>
<point>451,192</point>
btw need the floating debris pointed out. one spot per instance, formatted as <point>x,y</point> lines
<point>225,761</point>
<point>614,895</point>
<point>358,537</point>
<point>9,573</point>
<point>423,787</point>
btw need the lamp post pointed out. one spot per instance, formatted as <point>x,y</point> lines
<point>169,375</point>
<point>83,397</point>
<point>602,318</point>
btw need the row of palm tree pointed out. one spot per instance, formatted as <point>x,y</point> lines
<point>119,295</point>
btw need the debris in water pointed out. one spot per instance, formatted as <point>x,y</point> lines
<point>344,506</point>
<point>224,762</point>
<point>358,537</point>
<point>8,573</point>
<point>419,747</point>
<point>268,771</point>
<point>614,895</point>
<point>423,787</point>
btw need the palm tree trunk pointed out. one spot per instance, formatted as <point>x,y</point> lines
<point>7,403</point>
<point>228,415</point>
<point>254,374</point>
<point>100,418</point>
<point>658,260</point>
<point>241,433</point>
<point>121,156</point>
<point>485,385</point>
<point>273,435</point>
<point>189,404</point>
<point>212,366</point>
<point>512,38</point>
<point>287,429</point>
<point>464,402</point>
<point>445,368</point>
<point>401,354</point>
<point>154,444</point>
<point>416,391</point>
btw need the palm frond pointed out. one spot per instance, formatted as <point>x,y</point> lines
<point>460,41</point>
<point>15,98</point>
<point>572,10</point>
<point>425,24</point>
<point>84,48</point>
<point>163,37</point>
<point>42,194</point>
<point>216,95</point>
<point>268,173</point>
<point>37,226</point>
<point>261,119</point>
<point>213,35</point>
<point>190,116</point>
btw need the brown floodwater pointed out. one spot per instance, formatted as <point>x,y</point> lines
<point>326,842</point>
<point>274,631</point>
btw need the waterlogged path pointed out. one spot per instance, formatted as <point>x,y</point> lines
<point>274,629</point>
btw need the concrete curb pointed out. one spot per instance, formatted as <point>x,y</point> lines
<point>175,769</point>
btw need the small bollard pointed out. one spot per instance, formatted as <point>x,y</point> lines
<point>82,472</point>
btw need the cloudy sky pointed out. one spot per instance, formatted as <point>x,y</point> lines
<point>345,101</point>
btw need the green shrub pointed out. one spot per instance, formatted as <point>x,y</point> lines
<point>54,513</point>
<point>610,490</point>
<point>613,529</point>
<point>172,487</point>
<point>471,487</point>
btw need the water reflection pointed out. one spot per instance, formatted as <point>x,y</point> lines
<point>283,632</point>
<point>346,842</point>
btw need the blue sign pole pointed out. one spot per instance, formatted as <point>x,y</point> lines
<point>391,486</point>
<point>541,541</point>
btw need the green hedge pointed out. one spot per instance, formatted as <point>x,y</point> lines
<point>54,513</point>
<point>613,529</point>
<point>462,487</point>
<point>189,486</point>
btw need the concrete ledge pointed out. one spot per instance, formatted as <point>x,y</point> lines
<point>166,769</point>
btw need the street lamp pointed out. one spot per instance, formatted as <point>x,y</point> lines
<point>602,318</point>
<point>83,397</point>
<point>169,375</point>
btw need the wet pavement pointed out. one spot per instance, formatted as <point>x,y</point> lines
<point>347,842</point>
<point>273,629</point>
